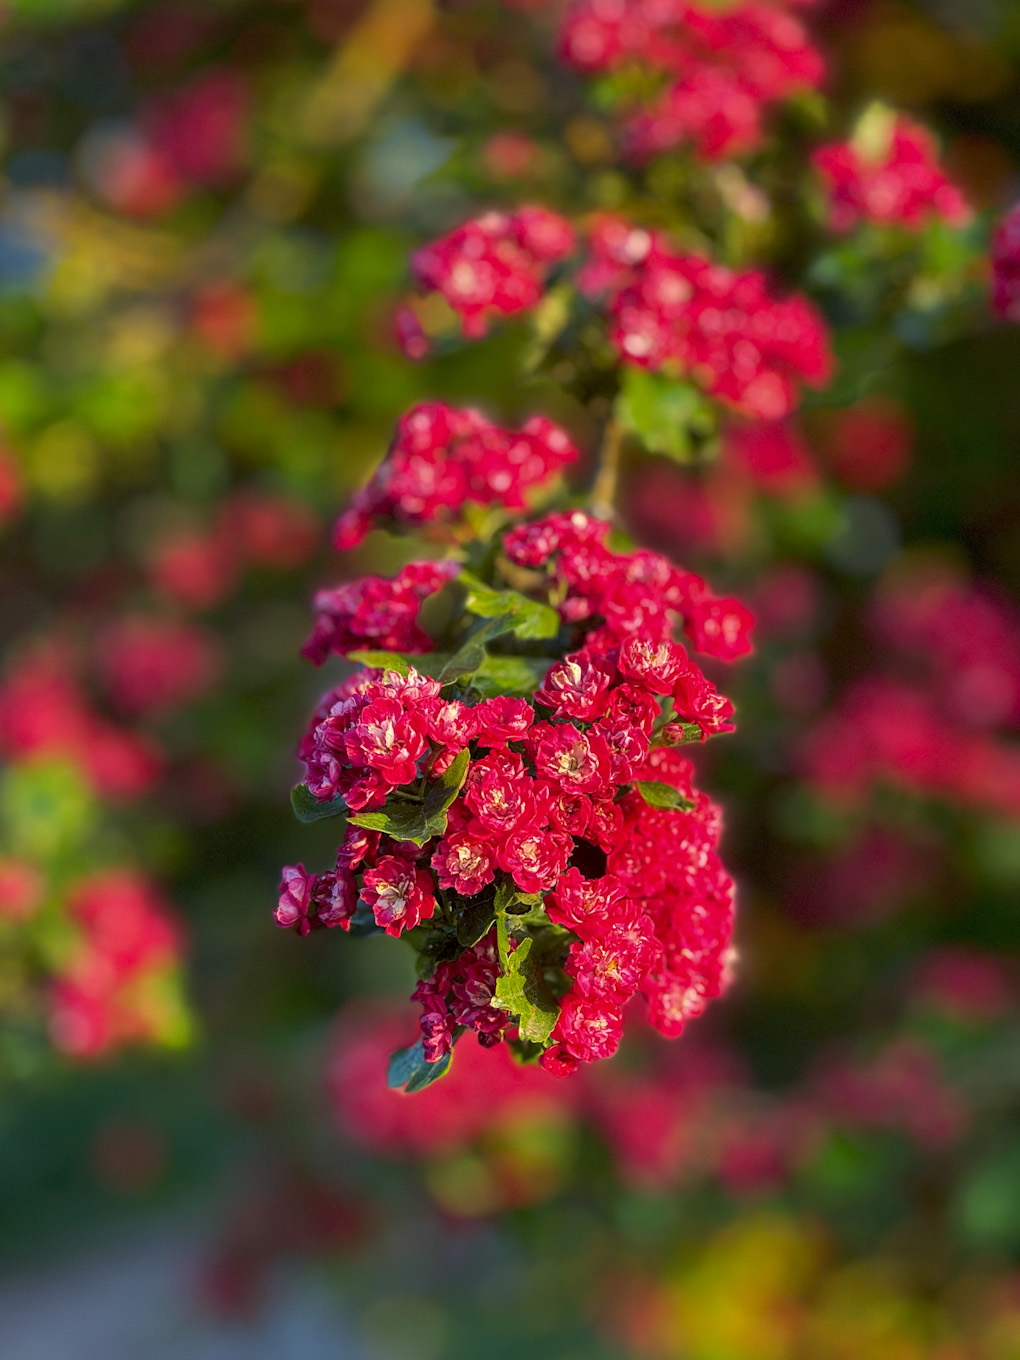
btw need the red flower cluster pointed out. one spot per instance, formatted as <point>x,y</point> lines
<point>494,265</point>
<point>443,458</point>
<point>721,328</point>
<point>1006,266</point>
<point>111,990</point>
<point>723,66</point>
<point>373,612</point>
<point>896,182</point>
<point>550,804</point>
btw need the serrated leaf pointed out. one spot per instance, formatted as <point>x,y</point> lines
<point>526,618</point>
<point>409,1068</point>
<point>441,792</point>
<point>509,898</point>
<point>521,990</point>
<point>510,675</point>
<point>669,416</point>
<point>659,795</point>
<point>308,808</point>
<point>418,822</point>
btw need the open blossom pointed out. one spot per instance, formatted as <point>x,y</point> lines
<point>494,265</point>
<point>502,719</point>
<point>399,894</point>
<point>577,761</point>
<point>388,739</point>
<point>465,861</point>
<point>443,457</point>
<point>499,792</point>
<point>577,687</point>
<point>587,1030</point>
<point>535,858</point>
<point>888,173</point>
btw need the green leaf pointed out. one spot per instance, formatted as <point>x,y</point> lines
<point>308,808</point>
<point>510,674</point>
<point>363,923</point>
<point>521,990</point>
<point>418,822</point>
<point>509,898</point>
<point>408,1068</point>
<point>660,795</point>
<point>385,661</point>
<point>525,618</point>
<point>669,416</point>
<point>431,664</point>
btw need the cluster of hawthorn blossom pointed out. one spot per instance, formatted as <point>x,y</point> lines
<point>515,805</point>
<point>505,757</point>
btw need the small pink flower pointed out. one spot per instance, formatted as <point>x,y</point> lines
<point>577,687</point>
<point>399,893</point>
<point>577,761</point>
<point>535,858</point>
<point>464,862</point>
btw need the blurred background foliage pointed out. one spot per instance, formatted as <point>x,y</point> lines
<point>205,216</point>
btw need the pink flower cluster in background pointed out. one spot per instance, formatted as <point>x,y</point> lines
<point>722,328</point>
<point>443,458</point>
<point>937,719</point>
<point>111,989</point>
<point>722,67</point>
<point>45,714</point>
<point>898,182</point>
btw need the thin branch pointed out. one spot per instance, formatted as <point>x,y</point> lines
<point>607,476</point>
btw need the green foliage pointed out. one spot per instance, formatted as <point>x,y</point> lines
<point>668,416</point>
<point>523,617</point>
<point>418,822</point>
<point>660,795</point>
<point>408,1068</point>
<point>308,808</point>
<point>522,988</point>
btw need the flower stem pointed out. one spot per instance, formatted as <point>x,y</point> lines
<point>607,475</point>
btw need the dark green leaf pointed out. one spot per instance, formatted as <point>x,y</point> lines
<point>409,1069</point>
<point>362,923</point>
<point>660,795</point>
<point>474,919</point>
<point>308,808</point>
<point>441,792</point>
<point>418,822</point>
